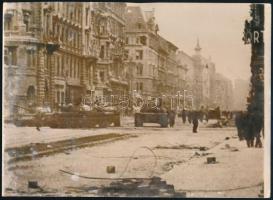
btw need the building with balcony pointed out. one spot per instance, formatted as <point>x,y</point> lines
<point>60,52</point>
<point>109,23</point>
<point>151,57</point>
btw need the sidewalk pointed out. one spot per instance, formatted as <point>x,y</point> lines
<point>237,173</point>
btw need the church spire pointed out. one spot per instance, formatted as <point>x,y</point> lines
<point>197,48</point>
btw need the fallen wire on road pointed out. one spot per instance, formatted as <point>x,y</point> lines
<point>132,156</point>
<point>125,169</point>
<point>100,178</point>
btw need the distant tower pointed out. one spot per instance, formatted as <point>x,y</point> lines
<point>197,48</point>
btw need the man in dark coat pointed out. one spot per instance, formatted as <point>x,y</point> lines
<point>171,116</point>
<point>184,115</point>
<point>189,116</point>
<point>195,121</point>
<point>239,117</point>
<point>39,118</point>
<point>258,126</point>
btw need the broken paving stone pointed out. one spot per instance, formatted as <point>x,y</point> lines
<point>197,154</point>
<point>205,154</point>
<point>211,160</point>
<point>111,169</point>
<point>33,184</point>
<point>227,146</point>
<point>234,149</point>
<point>203,148</point>
<point>9,189</point>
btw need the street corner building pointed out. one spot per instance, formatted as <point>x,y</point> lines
<point>59,53</point>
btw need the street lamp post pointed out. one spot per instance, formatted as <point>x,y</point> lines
<point>184,98</point>
<point>178,105</point>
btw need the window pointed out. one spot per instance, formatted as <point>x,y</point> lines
<point>126,40</point>
<point>139,54</point>
<point>139,69</point>
<point>70,67</point>
<point>62,65</point>
<point>13,55</point>
<point>137,40</point>
<point>6,57</point>
<point>143,40</point>
<point>28,58</point>
<point>126,54</point>
<point>58,66</point>
<point>58,97</point>
<point>102,52</point>
<point>8,22</point>
<point>31,93</point>
<point>87,72</point>
<point>74,68</point>
<point>102,76</point>
<point>139,86</point>
<point>79,69</point>
<point>61,34</point>
<point>62,97</point>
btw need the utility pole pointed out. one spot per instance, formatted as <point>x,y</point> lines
<point>184,98</point>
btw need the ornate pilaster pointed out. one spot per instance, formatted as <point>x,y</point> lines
<point>51,48</point>
<point>41,76</point>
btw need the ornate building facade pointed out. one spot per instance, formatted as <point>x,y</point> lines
<point>22,48</point>
<point>110,74</point>
<point>60,52</point>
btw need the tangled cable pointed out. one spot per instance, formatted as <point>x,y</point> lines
<point>123,172</point>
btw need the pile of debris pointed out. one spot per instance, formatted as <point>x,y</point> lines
<point>153,187</point>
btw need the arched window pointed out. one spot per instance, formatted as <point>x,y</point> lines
<point>30,93</point>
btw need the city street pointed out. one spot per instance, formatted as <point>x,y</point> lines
<point>94,95</point>
<point>176,156</point>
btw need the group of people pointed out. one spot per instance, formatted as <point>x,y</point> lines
<point>192,116</point>
<point>249,127</point>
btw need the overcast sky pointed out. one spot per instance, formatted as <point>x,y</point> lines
<point>219,28</point>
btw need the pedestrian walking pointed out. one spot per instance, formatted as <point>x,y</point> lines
<point>190,116</point>
<point>239,117</point>
<point>38,120</point>
<point>171,116</point>
<point>194,121</point>
<point>184,115</point>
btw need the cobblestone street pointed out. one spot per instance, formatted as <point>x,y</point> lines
<point>144,153</point>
